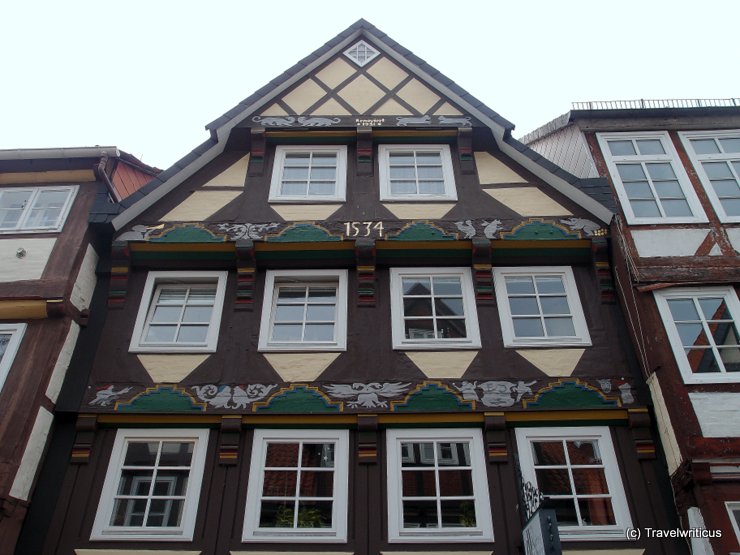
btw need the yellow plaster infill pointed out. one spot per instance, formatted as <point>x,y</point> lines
<point>274,110</point>
<point>299,419</point>
<point>233,176</point>
<point>388,73</point>
<point>300,367</point>
<point>336,72</point>
<point>492,171</point>
<point>391,106</point>
<point>566,415</point>
<point>418,211</point>
<point>417,95</point>
<point>442,364</point>
<point>159,419</point>
<point>200,205</point>
<point>171,368</point>
<point>528,201</point>
<point>637,551</point>
<point>134,552</point>
<point>54,176</point>
<point>448,109</point>
<point>330,108</point>
<point>361,93</point>
<point>301,212</point>
<point>303,96</point>
<point>23,309</point>
<point>555,363</point>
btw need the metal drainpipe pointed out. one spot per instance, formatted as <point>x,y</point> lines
<point>100,170</point>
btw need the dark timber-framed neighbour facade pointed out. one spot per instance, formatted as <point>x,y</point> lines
<point>354,321</point>
<point>674,166</point>
<point>47,280</point>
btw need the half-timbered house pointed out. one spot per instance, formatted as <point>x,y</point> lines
<point>47,278</point>
<point>674,167</point>
<point>356,320</point>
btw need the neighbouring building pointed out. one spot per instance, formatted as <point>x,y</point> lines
<point>47,278</point>
<point>674,168</point>
<point>360,318</point>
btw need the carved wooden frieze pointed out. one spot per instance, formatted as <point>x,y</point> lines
<point>382,396</point>
<point>268,122</point>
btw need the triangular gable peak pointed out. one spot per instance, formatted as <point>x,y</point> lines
<point>389,88</point>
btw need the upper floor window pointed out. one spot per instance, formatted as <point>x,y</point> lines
<point>298,485</point>
<point>578,470</point>
<point>433,308</point>
<point>539,306</point>
<point>416,172</point>
<point>733,509</point>
<point>179,312</point>
<point>651,183</point>
<point>152,486</point>
<point>304,310</point>
<point>716,157</point>
<point>437,486</point>
<point>35,209</point>
<point>10,340</point>
<point>701,327</point>
<point>309,174</point>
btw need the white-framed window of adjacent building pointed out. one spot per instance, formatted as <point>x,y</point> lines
<point>309,174</point>
<point>10,340</point>
<point>433,308</point>
<point>152,486</point>
<point>650,180</point>
<point>540,306</point>
<point>733,510</point>
<point>702,328</point>
<point>35,209</point>
<point>179,312</point>
<point>716,158</point>
<point>577,469</point>
<point>437,486</point>
<point>416,173</point>
<point>304,310</point>
<point>298,484</point>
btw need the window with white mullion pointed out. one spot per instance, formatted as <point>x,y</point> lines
<point>651,182</point>
<point>433,307</point>
<point>34,209</point>
<point>309,174</point>
<point>304,313</point>
<point>180,314</point>
<point>716,157</point>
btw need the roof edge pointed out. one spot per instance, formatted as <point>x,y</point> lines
<point>73,152</point>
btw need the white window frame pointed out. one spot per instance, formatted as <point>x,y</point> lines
<point>697,159</point>
<point>397,314</point>
<point>338,532</point>
<point>670,156</point>
<point>384,152</point>
<point>103,530</point>
<point>273,280</point>
<point>156,279</point>
<point>602,434</point>
<point>582,337</point>
<point>71,191</point>
<point>340,187</point>
<point>734,506</point>
<point>16,332</point>
<point>482,532</point>
<point>661,299</point>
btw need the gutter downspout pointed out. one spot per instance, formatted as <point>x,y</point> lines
<point>101,173</point>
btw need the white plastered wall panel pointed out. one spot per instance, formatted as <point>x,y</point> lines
<point>24,258</point>
<point>84,286</point>
<point>665,427</point>
<point>23,481</point>
<point>718,413</point>
<point>668,242</point>
<point>62,364</point>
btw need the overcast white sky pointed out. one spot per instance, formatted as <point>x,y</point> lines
<point>148,75</point>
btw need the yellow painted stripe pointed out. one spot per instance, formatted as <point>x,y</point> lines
<point>426,245</point>
<point>325,246</point>
<point>182,247</point>
<point>23,309</point>
<point>538,244</point>
<point>53,176</point>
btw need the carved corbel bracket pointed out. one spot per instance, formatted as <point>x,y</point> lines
<point>465,149</point>
<point>367,442</point>
<point>246,269</point>
<point>119,273</point>
<point>228,444</point>
<point>482,273</point>
<point>494,429</point>
<point>257,152</point>
<point>365,258</point>
<point>86,426</point>
<point>364,151</point>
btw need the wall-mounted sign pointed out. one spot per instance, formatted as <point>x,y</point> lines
<point>540,534</point>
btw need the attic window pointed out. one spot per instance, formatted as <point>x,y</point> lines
<point>361,53</point>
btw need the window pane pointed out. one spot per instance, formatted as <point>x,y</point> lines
<point>590,480</point>
<point>295,174</point>
<point>289,313</point>
<point>297,158</point>
<point>319,332</point>
<point>277,514</point>
<point>548,452</point>
<point>128,512</point>
<point>417,286</point>
<point>171,296</point>
<point>417,454</point>
<point>200,314</point>
<point>675,208</point>
<point>451,329</point>
<point>447,286</point>
<point>683,309</point>
<point>639,190</point>
<point>669,190</point>
<point>167,314</point>
<point>717,170</point>
<point>524,306</point>
<point>402,173</point>
<point>141,453</point>
<point>403,187</point>
<point>201,296</point>
<point>519,285</point>
<point>455,483</point>
<point>714,308</point>
<point>397,158</point>
<point>320,313</point>
<point>419,483</point>
<point>730,145</point>
<point>324,159</point>
<point>555,305</point>
<point>553,481</point>
<point>428,158</point>
<point>705,146</point>
<point>419,329</point>
<point>631,172</point>
<point>431,187</point>
<point>323,174</point>
<point>292,188</point>
<point>584,452</point>
<point>161,334</point>
<point>430,173</point>
<point>702,360</point>
<point>176,453</point>
<point>317,484</point>
<point>171,483</point>
<point>731,206</point>
<point>454,454</point>
<point>528,327</point>
<point>621,148</point>
<point>135,482</point>
<point>596,512</point>
<point>565,511</point>
<point>282,455</point>
<point>322,294</point>
<point>726,188</point>
<point>165,512</point>
<point>287,332</point>
<point>645,209</point>
<point>650,146</point>
<point>724,334</point>
<point>549,285</point>
<point>449,307</point>
<point>420,514</point>
<point>321,188</point>
<point>661,171</point>
<point>691,334</point>
<point>314,514</point>
<point>279,483</point>
<point>192,334</point>
<point>318,455</point>
<point>560,327</point>
<point>458,513</point>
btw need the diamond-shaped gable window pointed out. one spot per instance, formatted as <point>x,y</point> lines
<point>361,53</point>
